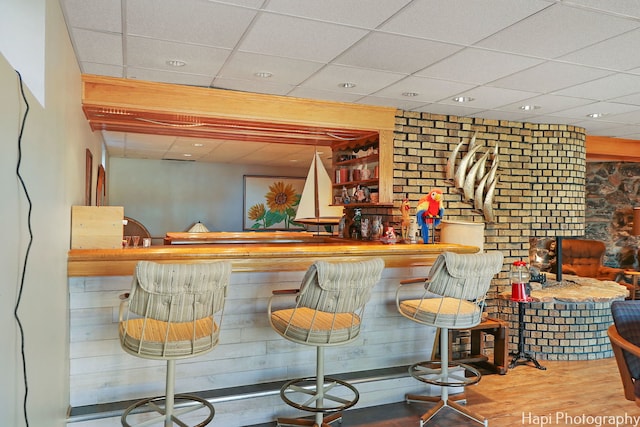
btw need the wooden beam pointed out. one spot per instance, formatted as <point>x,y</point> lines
<point>606,149</point>
<point>129,98</point>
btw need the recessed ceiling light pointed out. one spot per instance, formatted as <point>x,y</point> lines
<point>595,115</point>
<point>529,107</point>
<point>198,144</point>
<point>263,74</point>
<point>187,155</point>
<point>176,63</point>
<point>462,99</point>
<point>347,85</point>
<point>410,93</point>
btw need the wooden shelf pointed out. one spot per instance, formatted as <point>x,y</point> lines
<point>365,205</point>
<point>373,158</point>
<point>372,182</point>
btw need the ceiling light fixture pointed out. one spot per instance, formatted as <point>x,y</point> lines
<point>347,85</point>
<point>462,99</point>
<point>198,144</point>
<point>263,74</point>
<point>410,94</point>
<point>176,63</point>
<point>595,115</point>
<point>529,107</point>
<point>187,155</point>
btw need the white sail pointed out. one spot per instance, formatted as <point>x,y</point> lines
<point>315,202</point>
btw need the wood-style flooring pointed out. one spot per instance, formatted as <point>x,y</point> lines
<point>567,393</point>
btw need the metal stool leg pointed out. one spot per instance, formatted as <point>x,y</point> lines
<point>166,408</point>
<point>318,389</point>
<point>443,378</point>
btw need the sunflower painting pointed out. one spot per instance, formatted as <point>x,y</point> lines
<point>270,203</point>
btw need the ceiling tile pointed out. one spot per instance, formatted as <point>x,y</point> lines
<point>102,48</point>
<point>632,117</point>
<point>477,66</point>
<point>427,90</point>
<point>550,76</point>
<point>548,103</point>
<point>366,81</point>
<point>490,98</point>
<point>352,12</point>
<point>606,88</point>
<point>622,7</point>
<point>402,54</point>
<point>153,53</point>
<point>600,127</point>
<point>460,21</point>
<point>617,53</point>
<point>609,109</point>
<point>197,22</point>
<point>633,99</point>
<point>298,38</point>
<point>99,15</point>
<point>557,30</point>
<point>244,65</point>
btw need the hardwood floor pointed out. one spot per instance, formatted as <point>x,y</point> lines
<point>567,393</point>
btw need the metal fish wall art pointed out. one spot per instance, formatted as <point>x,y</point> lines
<point>487,206</point>
<point>479,193</point>
<point>451,161</point>
<point>463,166</point>
<point>469,176</point>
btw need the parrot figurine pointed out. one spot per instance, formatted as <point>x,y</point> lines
<point>429,212</point>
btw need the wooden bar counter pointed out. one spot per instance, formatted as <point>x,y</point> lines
<point>269,251</point>
<point>250,353</point>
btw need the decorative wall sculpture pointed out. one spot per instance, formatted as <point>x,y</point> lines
<point>471,177</point>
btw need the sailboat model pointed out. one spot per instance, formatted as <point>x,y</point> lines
<point>315,202</point>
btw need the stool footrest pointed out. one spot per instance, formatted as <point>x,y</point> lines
<point>184,403</point>
<point>307,386</point>
<point>430,372</point>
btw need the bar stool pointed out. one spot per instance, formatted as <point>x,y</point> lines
<point>172,312</point>
<point>327,311</point>
<point>453,298</point>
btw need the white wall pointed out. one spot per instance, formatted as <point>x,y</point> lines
<point>172,195</point>
<point>53,150</point>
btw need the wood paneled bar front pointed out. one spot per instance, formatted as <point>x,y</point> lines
<point>243,374</point>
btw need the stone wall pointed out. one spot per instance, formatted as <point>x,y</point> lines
<point>612,190</point>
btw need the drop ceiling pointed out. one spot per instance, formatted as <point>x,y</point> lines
<point>563,59</point>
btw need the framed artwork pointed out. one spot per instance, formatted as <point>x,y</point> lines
<point>101,187</point>
<point>270,202</point>
<point>88,178</point>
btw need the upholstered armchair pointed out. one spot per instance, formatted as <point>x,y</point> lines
<point>624,335</point>
<point>582,257</point>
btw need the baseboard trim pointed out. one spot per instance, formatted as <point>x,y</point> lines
<point>115,409</point>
